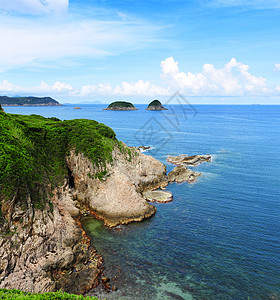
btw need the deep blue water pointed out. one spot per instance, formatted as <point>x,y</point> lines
<point>220,237</point>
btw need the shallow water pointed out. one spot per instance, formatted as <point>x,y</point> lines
<point>220,237</point>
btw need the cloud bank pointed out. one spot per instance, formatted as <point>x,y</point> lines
<point>234,79</point>
<point>43,89</point>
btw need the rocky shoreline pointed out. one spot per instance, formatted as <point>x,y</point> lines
<point>47,249</point>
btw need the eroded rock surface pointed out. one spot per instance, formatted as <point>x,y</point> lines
<point>118,199</point>
<point>182,174</point>
<point>193,160</point>
<point>158,196</point>
<point>45,250</point>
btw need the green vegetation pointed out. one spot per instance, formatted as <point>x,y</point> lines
<point>4,100</point>
<point>33,151</point>
<point>155,103</point>
<point>120,105</point>
<point>19,295</point>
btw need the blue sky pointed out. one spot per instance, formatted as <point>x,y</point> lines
<point>211,51</point>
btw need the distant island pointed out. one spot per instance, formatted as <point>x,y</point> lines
<point>28,101</point>
<point>155,105</point>
<point>120,105</point>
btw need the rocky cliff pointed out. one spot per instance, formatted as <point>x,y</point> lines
<point>42,244</point>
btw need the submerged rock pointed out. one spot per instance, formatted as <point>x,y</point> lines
<point>194,160</point>
<point>155,105</point>
<point>144,148</point>
<point>158,196</point>
<point>182,174</point>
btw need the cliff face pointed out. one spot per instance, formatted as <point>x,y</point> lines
<point>46,249</point>
<point>118,199</point>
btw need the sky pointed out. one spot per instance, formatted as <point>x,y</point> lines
<point>210,51</point>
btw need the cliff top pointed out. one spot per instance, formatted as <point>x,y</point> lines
<point>33,151</point>
<point>28,101</point>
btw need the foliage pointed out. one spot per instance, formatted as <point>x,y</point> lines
<point>19,295</point>
<point>155,103</point>
<point>33,151</point>
<point>120,104</point>
<point>27,100</point>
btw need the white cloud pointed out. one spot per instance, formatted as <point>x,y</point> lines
<point>35,7</point>
<point>232,80</point>
<point>139,88</point>
<point>277,66</point>
<point>43,89</point>
<point>6,86</point>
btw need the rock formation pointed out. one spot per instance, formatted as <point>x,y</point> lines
<point>194,160</point>
<point>155,105</point>
<point>182,174</point>
<point>46,249</point>
<point>158,196</point>
<point>118,200</point>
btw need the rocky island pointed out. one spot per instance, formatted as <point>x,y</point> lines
<point>120,105</point>
<point>28,101</point>
<point>155,105</point>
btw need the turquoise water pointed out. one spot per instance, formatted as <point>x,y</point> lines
<point>220,237</point>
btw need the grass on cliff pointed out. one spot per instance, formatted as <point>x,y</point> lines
<point>120,104</point>
<point>33,151</point>
<point>19,295</point>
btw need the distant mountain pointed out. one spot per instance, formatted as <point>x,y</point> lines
<point>92,102</point>
<point>28,101</point>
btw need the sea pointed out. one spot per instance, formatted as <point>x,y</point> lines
<point>220,237</point>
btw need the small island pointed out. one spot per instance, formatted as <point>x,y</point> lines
<point>28,101</point>
<point>155,105</point>
<point>120,105</point>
